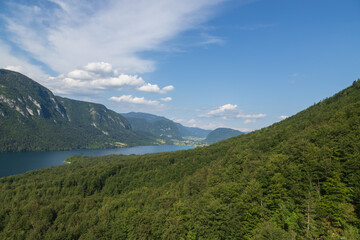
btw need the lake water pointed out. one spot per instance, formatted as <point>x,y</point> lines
<point>19,162</point>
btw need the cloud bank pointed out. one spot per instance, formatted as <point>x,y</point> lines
<point>230,111</point>
<point>134,100</point>
<point>154,88</point>
<point>100,76</point>
<point>65,33</point>
<point>90,46</point>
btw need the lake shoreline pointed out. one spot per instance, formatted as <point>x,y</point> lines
<point>12,163</point>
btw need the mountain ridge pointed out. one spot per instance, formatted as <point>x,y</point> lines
<point>171,131</point>
<point>168,130</point>
<point>33,118</point>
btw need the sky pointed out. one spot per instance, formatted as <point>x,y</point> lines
<point>242,64</point>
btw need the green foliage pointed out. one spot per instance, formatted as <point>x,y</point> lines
<point>269,231</point>
<point>297,179</point>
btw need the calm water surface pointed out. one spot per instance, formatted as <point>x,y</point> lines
<point>20,162</point>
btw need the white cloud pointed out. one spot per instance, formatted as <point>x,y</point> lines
<point>149,88</point>
<point>114,31</point>
<point>167,89</point>
<point>283,117</point>
<point>222,111</point>
<point>154,88</point>
<point>247,121</point>
<point>260,115</point>
<point>79,74</point>
<point>118,81</point>
<point>166,99</point>
<point>230,111</point>
<point>97,77</point>
<point>134,100</point>
<point>93,77</point>
<point>100,67</point>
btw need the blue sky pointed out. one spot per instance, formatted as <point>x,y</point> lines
<point>206,63</point>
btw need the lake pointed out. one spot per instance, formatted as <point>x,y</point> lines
<point>20,162</point>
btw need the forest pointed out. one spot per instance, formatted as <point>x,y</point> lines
<point>297,179</point>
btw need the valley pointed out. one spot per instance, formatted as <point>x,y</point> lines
<point>32,118</point>
<point>179,120</point>
<point>296,179</point>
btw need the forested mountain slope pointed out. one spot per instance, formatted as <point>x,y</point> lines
<point>221,134</point>
<point>163,127</point>
<point>297,179</point>
<point>160,127</point>
<point>32,118</point>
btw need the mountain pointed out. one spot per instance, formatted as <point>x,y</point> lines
<point>220,134</point>
<point>192,131</point>
<point>297,179</point>
<point>160,127</point>
<point>33,118</point>
<point>151,118</point>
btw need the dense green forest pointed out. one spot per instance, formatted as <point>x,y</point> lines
<point>33,118</point>
<point>297,179</point>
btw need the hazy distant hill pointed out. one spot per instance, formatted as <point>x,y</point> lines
<point>162,127</point>
<point>221,134</point>
<point>151,118</point>
<point>192,131</point>
<point>32,118</point>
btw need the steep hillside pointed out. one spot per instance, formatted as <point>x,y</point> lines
<point>32,118</point>
<point>297,179</point>
<point>160,127</point>
<point>220,134</point>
